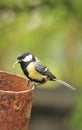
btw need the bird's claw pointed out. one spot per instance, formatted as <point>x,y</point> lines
<point>29,83</point>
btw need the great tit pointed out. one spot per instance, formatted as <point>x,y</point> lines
<point>36,71</point>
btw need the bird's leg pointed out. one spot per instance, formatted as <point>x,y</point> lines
<point>38,84</point>
<point>28,82</point>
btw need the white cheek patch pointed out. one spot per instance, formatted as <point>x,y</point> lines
<point>27,58</point>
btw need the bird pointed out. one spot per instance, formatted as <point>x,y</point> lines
<point>36,71</point>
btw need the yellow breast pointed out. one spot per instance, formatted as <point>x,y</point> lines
<point>33,73</point>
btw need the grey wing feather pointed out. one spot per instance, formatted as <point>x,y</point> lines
<point>43,70</point>
<point>40,67</point>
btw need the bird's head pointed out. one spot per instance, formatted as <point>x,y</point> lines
<point>25,58</point>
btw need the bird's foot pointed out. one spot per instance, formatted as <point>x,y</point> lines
<point>37,84</point>
<point>29,83</point>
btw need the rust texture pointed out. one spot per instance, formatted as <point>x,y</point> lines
<point>15,102</point>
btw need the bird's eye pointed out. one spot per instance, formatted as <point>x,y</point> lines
<point>20,57</point>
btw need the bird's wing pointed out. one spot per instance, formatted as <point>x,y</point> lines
<point>43,70</point>
<point>40,67</point>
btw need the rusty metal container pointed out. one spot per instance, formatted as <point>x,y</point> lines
<point>15,102</point>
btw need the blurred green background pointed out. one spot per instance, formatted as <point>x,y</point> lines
<point>50,29</point>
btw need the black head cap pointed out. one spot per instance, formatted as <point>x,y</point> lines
<point>26,57</point>
<point>23,55</point>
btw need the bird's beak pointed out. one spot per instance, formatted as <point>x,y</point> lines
<point>15,63</point>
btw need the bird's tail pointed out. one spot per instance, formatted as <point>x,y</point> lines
<point>64,83</point>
